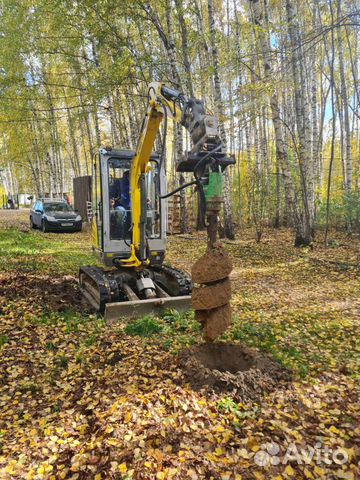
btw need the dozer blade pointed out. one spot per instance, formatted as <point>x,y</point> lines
<point>138,308</point>
<point>115,293</point>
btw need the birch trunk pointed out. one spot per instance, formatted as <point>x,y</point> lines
<point>302,122</point>
<point>228,223</point>
<point>301,235</point>
<point>345,108</point>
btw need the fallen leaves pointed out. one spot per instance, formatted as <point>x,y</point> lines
<point>80,400</point>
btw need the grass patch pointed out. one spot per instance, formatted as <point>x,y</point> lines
<point>72,322</point>
<point>143,327</point>
<point>176,330</point>
<point>4,339</point>
<point>34,251</point>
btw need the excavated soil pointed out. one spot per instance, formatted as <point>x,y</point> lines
<point>211,299</point>
<point>211,296</point>
<point>214,265</point>
<point>214,322</point>
<point>242,372</point>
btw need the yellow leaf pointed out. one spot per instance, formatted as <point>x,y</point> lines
<point>344,475</point>
<point>122,467</point>
<point>226,476</point>
<point>147,464</point>
<point>31,474</point>
<point>10,468</point>
<point>308,474</point>
<point>82,430</point>
<point>258,475</point>
<point>320,471</point>
<point>112,441</point>
<point>289,471</point>
<point>160,475</point>
<point>98,476</point>
<point>44,469</point>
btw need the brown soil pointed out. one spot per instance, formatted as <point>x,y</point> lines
<point>211,296</point>
<point>56,294</point>
<point>244,373</point>
<point>214,265</point>
<point>214,322</point>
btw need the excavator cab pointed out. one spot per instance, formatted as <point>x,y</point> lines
<point>111,206</point>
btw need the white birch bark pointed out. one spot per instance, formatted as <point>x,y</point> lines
<point>228,224</point>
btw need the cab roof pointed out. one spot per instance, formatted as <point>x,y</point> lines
<point>123,154</point>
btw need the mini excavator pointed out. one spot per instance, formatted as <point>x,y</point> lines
<point>129,223</point>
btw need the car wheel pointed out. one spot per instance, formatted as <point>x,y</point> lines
<point>43,226</point>
<point>32,225</point>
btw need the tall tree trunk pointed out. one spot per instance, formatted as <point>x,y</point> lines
<point>184,217</point>
<point>345,107</point>
<point>301,236</point>
<point>228,223</point>
<point>333,123</point>
<point>75,161</point>
<point>314,105</point>
<point>113,125</point>
<point>169,45</point>
<point>302,122</point>
<point>185,46</point>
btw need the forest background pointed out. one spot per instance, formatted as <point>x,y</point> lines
<point>282,76</point>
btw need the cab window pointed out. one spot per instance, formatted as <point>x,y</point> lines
<point>119,199</point>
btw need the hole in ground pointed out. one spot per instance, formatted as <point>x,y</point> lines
<point>243,372</point>
<point>224,357</point>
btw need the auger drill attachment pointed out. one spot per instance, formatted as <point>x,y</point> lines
<point>210,274</point>
<point>210,299</point>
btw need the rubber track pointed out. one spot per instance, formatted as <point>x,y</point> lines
<point>103,280</point>
<point>182,278</point>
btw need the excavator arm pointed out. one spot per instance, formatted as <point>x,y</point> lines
<point>205,160</point>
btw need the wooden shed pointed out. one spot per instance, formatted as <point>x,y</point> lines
<point>82,195</point>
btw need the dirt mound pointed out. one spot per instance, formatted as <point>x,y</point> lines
<point>56,294</point>
<point>244,373</point>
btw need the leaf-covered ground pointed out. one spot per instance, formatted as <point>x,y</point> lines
<point>82,400</point>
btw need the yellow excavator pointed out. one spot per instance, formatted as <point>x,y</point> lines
<point>129,192</point>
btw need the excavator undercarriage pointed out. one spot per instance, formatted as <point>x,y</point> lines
<point>129,293</point>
